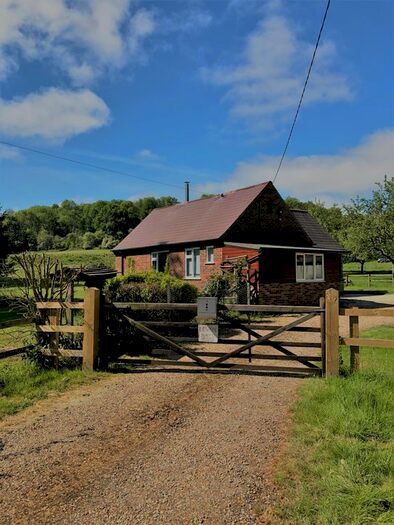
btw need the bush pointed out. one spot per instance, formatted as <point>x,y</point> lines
<point>145,287</point>
<point>89,241</point>
<point>226,285</point>
<point>150,287</point>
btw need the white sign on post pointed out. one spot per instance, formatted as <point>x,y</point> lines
<point>207,307</point>
<point>208,331</point>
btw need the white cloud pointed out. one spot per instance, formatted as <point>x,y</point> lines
<point>147,155</point>
<point>83,38</point>
<point>331,178</point>
<point>53,114</point>
<point>264,85</point>
<point>142,24</point>
<point>188,20</point>
<point>6,152</point>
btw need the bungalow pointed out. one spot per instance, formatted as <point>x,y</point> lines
<point>296,260</point>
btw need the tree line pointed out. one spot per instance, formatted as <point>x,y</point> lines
<point>68,225</point>
<point>365,227</point>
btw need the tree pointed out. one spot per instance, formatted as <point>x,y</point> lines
<point>44,240</point>
<point>371,222</point>
<point>330,217</point>
<point>89,241</point>
<point>352,238</point>
<point>3,239</point>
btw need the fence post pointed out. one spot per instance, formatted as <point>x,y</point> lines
<point>91,325</point>
<point>54,320</point>
<point>322,305</point>
<point>354,331</point>
<point>332,332</point>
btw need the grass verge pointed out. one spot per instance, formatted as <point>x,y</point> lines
<point>339,464</point>
<point>22,383</point>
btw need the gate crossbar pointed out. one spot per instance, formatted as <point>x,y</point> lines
<point>180,349</point>
<point>274,344</point>
<point>296,357</point>
<point>278,331</point>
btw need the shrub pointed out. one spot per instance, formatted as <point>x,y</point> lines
<point>229,284</point>
<point>89,241</point>
<point>145,287</point>
<point>150,287</point>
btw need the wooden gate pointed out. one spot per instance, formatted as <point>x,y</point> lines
<point>269,335</point>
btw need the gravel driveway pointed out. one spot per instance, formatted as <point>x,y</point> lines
<point>149,448</point>
<point>152,448</point>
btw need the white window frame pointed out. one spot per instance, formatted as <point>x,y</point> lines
<point>190,255</point>
<point>154,259</point>
<point>210,260</point>
<point>315,279</point>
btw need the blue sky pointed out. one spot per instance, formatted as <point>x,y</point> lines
<point>193,90</point>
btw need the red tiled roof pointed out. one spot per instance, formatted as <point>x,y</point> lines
<point>200,220</point>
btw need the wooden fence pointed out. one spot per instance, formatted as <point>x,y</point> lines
<point>8,352</point>
<point>354,341</point>
<point>329,312</point>
<point>89,328</point>
<point>381,277</point>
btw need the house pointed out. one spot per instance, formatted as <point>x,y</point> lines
<point>295,259</point>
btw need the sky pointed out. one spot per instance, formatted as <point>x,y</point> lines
<point>205,91</point>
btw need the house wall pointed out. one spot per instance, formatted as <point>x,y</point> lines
<point>142,262</point>
<point>278,278</point>
<point>268,221</point>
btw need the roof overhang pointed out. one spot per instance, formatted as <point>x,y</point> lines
<point>276,247</point>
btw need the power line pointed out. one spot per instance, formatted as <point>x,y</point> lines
<point>88,164</point>
<point>303,90</point>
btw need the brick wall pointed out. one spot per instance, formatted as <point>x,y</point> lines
<point>118,264</point>
<point>278,279</point>
<point>139,263</point>
<point>177,266</point>
<point>142,262</point>
<point>303,294</point>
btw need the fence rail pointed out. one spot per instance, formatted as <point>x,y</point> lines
<point>10,352</point>
<point>329,312</point>
<point>354,341</point>
<point>16,322</point>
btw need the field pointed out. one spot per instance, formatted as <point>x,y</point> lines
<point>339,464</point>
<point>72,258</point>
<point>78,258</point>
<point>380,279</point>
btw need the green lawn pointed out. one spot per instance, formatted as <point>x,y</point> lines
<point>381,280</point>
<point>339,465</point>
<point>22,383</point>
<point>77,258</point>
<point>10,286</point>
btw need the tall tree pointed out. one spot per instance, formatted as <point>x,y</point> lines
<point>3,238</point>
<point>371,222</point>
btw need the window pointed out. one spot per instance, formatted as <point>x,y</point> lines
<point>155,261</point>
<point>209,255</point>
<point>309,267</point>
<point>192,263</point>
<point>158,261</point>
